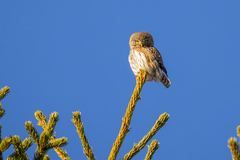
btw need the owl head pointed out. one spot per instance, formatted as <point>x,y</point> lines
<point>141,39</point>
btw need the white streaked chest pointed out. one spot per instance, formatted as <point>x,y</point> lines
<point>137,61</point>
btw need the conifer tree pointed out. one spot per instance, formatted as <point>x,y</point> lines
<point>47,139</point>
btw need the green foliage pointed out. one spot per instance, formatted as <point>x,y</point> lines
<point>47,139</point>
<point>5,144</point>
<point>234,146</point>
<point>87,150</point>
<point>141,144</point>
<point>20,147</point>
<point>2,111</point>
<point>3,92</point>
<point>44,141</point>
<point>152,149</point>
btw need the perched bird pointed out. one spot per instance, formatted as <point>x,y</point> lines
<point>143,55</point>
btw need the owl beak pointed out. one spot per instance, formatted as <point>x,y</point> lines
<point>141,44</point>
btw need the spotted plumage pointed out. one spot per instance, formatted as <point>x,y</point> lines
<point>143,55</point>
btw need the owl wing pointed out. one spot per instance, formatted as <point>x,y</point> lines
<point>158,57</point>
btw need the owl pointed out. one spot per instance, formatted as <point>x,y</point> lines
<point>143,55</point>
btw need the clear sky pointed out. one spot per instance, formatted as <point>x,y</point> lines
<point>67,56</point>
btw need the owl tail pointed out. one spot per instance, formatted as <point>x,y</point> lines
<point>165,81</point>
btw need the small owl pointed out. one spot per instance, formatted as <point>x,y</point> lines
<point>143,55</point>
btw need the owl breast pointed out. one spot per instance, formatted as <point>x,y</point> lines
<point>138,60</point>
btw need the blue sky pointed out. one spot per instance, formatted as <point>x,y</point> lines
<point>66,56</point>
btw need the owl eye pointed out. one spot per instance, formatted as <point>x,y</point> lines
<point>145,41</point>
<point>137,41</point>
